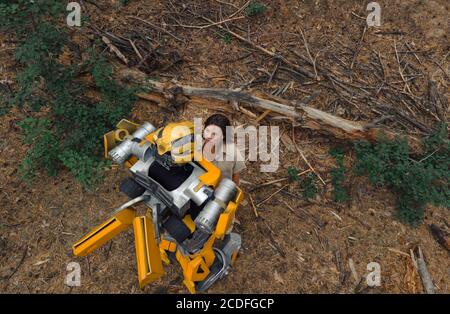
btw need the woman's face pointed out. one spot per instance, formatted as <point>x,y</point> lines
<point>213,135</point>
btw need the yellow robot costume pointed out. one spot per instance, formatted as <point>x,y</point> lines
<point>191,206</point>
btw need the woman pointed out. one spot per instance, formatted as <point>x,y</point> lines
<point>220,150</point>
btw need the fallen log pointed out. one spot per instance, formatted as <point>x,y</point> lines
<point>421,266</point>
<point>309,117</point>
<point>440,237</point>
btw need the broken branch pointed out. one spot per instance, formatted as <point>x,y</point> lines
<point>311,118</point>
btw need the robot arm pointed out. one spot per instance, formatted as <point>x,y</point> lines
<point>223,194</point>
<point>207,219</point>
<point>132,145</point>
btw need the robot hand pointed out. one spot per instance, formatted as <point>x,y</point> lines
<point>196,242</point>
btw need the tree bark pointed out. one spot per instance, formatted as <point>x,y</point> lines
<point>309,117</point>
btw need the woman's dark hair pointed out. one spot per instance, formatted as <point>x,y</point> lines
<point>221,121</point>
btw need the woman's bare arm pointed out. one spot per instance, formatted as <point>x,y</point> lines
<point>236,177</point>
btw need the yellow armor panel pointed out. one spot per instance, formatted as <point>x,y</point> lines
<point>149,263</point>
<point>104,232</point>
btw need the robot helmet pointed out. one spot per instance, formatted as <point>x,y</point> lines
<point>175,143</point>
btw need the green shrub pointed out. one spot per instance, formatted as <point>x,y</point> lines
<point>44,147</point>
<point>70,129</point>
<point>86,170</point>
<point>309,186</point>
<point>340,193</point>
<point>5,102</point>
<point>416,183</point>
<point>226,37</point>
<point>124,3</point>
<point>308,183</point>
<point>255,8</point>
<point>293,173</point>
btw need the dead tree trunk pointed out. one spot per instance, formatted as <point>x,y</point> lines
<point>309,117</point>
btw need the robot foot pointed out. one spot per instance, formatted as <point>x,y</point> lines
<point>225,256</point>
<point>231,246</point>
<point>217,270</point>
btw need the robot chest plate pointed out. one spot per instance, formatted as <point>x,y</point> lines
<point>177,199</point>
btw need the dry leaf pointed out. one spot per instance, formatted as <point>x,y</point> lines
<point>278,277</point>
<point>41,262</point>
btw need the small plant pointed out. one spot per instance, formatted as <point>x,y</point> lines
<point>5,102</point>
<point>124,3</point>
<point>255,8</point>
<point>416,183</point>
<point>293,173</point>
<point>44,147</point>
<point>88,171</point>
<point>227,38</point>
<point>340,193</point>
<point>308,184</point>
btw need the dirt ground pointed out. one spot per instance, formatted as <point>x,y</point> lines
<point>306,250</point>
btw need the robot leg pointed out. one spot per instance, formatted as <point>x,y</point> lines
<point>104,232</point>
<point>148,255</point>
<point>225,258</point>
<point>202,270</point>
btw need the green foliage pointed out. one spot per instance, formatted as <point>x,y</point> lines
<point>23,15</point>
<point>70,131</point>
<point>37,53</point>
<point>293,174</point>
<point>308,183</point>
<point>309,186</point>
<point>5,102</point>
<point>227,38</point>
<point>415,183</point>
<point>124,3</point>
<point>86,170</point>
<point>43,153</point>
<point>340,193</point>
<point>255,8</point>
